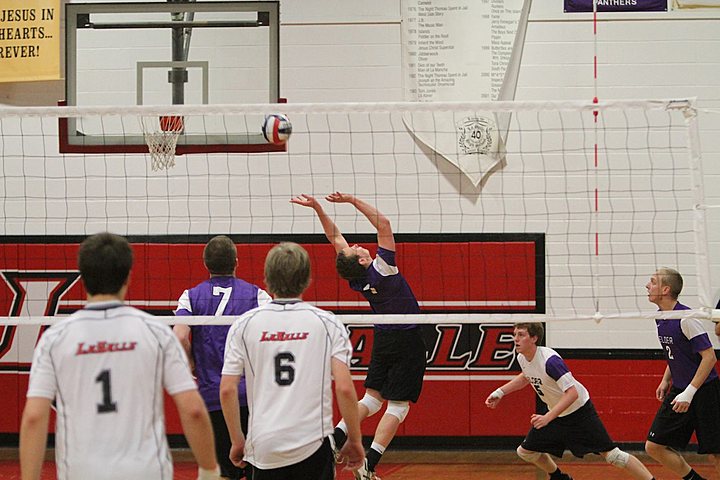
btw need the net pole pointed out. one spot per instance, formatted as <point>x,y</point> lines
<point>596,209</point>
<point>699,211</point>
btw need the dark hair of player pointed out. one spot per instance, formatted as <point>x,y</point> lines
<point>220,256</point>
<point>348,266</point>
<point>104,261</point>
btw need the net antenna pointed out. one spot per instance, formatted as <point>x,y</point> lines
<point>161,135</point>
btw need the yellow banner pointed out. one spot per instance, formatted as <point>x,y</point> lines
<point>29,40</point>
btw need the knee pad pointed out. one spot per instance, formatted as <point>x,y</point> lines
<point>617,458</point>
<point>398,409</point>
<point>372,404</point>
<point>530,457</point>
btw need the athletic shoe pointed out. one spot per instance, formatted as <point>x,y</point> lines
<point>363,473</point>
<point>565,476</point>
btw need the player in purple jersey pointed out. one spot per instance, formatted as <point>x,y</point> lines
<point>397,362</point>
<point>571,423</point>
<point>221,294</point>
<point>689,389</point>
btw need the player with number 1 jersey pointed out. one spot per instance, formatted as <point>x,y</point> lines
<point>106,367</point>
<point>114,361</point>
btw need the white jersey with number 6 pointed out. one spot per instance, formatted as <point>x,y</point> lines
<point>106,367</point>
<point>284,349</point>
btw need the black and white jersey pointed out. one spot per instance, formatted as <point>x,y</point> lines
<point>284,349</point>
<point>106,367</point>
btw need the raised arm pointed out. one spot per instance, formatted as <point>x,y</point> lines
<point>332,232</point>
<point>386,239</point>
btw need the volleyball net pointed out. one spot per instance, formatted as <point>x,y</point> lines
<point>503,211</point>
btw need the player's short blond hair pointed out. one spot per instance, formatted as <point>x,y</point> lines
<point>287,270</point>
<point>671,278</point>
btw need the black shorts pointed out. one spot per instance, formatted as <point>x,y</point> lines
<point>674,430</point>
<point>397,364</point>
<point>223,444</point>
<point>318,466</point>
<point>581,432</point>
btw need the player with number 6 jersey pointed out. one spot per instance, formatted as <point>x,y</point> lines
<point>289,351</point>
<point>106,367</point>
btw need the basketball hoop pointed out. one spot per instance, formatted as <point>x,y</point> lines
<point>161,143</point>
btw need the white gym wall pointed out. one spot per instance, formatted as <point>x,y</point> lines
<point>348,51</point>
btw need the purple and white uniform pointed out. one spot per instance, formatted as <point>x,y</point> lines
<point>550,377</point>
<point>386,289</point>
<point>219,295</point>
<point>681,341</point>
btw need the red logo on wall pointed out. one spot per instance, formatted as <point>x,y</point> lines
<point>449,274</point>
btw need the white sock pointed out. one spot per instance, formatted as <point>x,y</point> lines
<point>378,448</point>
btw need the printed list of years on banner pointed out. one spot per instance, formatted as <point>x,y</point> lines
<point>457,49</point>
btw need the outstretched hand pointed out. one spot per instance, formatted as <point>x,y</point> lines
<point>339,197</point>
<point>305,200</point>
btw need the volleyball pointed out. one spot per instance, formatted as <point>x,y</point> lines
<point>276,129</point>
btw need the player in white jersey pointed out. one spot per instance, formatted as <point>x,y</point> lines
<point>106,367</point>
<point>289,352</point>
<point>571,423</point>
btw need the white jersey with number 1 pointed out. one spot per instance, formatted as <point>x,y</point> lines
<point>285,349</point>
<point>106,367</point>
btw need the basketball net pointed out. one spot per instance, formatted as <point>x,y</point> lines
<point>162,142</point>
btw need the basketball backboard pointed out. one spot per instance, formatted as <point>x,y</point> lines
<point>177,52</point>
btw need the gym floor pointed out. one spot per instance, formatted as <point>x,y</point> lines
<point>439,465</point>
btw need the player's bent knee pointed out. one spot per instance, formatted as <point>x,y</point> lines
<point>617,458</point>
<point>398,410</point>
<point>528,456</point>
<point>652,448</point>
<point>372,404</point>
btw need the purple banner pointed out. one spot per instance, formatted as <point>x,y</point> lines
<point>572,6</point>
